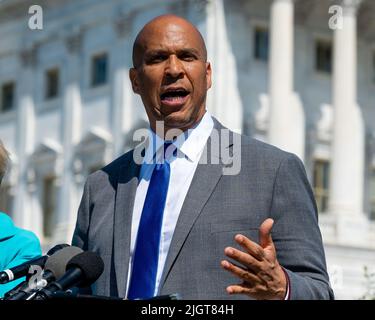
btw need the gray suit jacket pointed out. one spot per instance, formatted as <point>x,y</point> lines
<point>271,183</point>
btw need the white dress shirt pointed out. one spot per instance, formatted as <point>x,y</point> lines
<point>190,146</point>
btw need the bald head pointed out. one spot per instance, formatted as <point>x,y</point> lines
<point>165,24</point>
<point>171,72</point>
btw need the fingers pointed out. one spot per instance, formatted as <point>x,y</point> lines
<point>265,238</point>
<point>244,258</point>
<point>240,289</point>
<point>251,247</point>
<point>240,273</point>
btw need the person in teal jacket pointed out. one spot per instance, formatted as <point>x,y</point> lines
<point>16,245</point>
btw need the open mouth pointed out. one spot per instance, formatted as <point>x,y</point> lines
<point>174,97</point>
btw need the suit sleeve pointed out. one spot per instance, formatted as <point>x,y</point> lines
<point>296,233</point>
<point>80,236</point>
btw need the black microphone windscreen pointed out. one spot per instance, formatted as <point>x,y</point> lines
<point>57,262</point>
<point>90,263</point>
<point>56,248</point>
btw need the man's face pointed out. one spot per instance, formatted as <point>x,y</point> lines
<point>172,75</point>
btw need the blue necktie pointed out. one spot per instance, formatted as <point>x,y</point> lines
<point>146,253</point>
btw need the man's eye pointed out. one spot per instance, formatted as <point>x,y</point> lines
<point>187,57</point>
<point>157,58</point>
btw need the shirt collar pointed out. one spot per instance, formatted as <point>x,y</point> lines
<point>190,143</point>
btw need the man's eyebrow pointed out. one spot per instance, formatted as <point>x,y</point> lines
<point>153,52</point>
<point>162,51</point>
<point>189,50</point>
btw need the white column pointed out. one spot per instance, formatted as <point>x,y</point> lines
<point>347,169</point>
<point>23,211</point>
<point>71,125</point>
<point>287,121</point>
<point>123,116</point>
<point>119,106</point>
<point>223,99</point>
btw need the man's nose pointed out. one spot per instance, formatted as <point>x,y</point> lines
<point>174,68</point>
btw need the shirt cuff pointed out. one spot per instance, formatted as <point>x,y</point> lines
<point>287,295</point>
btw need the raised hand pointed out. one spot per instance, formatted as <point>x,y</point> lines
<point>261,274</point>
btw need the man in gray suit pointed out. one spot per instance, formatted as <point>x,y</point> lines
<point>215,225</point>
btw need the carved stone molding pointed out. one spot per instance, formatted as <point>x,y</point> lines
<point>30,175</point>
<point>303,10</point>
<point>73,41</point>
<point>182,7</point>
<point>324,125</point>
<point>77,169</point>
<point>349,6</point>
<point>366,20</point>
<point>123,23</point>
<point>28,57</point>
<point>199,5</point>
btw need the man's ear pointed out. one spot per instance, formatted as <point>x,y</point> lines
<point>134,80</point>
<point>208,75</point>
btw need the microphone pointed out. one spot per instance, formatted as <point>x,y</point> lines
<point>54,269</point>
<point>23,269</point>
<point>56,248</point>
<point>56,265</point>
<point>81,271</point>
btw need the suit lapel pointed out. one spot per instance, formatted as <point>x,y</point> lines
<point>125,195</point>
<point>202,186</point>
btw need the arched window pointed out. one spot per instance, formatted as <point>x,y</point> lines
<point>93,152</point>
<point>47,170</point>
